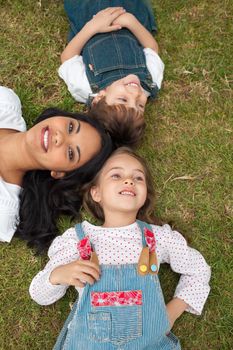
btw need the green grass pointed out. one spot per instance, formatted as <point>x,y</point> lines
<point>188,143</point>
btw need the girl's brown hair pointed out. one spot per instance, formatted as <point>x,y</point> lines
<point>125,125</point>
<point>145,213</point>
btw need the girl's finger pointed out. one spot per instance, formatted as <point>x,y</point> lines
<point>85,278</point>
<point>89,271</point>
<point>77,283</point>
<point>89,263</point>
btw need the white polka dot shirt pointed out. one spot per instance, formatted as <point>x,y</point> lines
<point>122,245</point>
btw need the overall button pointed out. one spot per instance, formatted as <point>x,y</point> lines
<point>153,268</point>
<point>143,268</point>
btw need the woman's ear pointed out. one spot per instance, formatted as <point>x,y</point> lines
<point>57,174</point>
<point>99,96</point>
<point>95,194</point>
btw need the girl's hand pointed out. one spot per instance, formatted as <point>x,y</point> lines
<point>102,22</point>
<point>76,273</point>
<point>175,308</point>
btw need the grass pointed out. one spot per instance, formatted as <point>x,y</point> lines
<point>188,143</point>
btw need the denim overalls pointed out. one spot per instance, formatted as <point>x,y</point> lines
<point>111,56</point>
<point>121,311</point>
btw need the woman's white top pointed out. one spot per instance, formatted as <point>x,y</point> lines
<point>171,247</point>
<point>10,118</point>
<point>73,72</point>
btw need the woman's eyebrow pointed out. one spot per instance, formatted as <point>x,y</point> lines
<point>78,127</point>
<point>79,153</point>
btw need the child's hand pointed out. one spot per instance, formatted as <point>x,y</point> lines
<point>126,20</point>
<point>102,22</point>
<point>175,308</point>
<point>76,273</point>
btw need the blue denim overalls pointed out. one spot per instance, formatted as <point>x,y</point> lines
<point>135,324</point>
<point>112,56</point>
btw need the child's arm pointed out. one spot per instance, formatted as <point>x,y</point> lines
<point>77,274</point>
<point>175,309</point>
<point>193,287</point>
<point>129,21</point>
<point>62,270</point>
<point>102,22</point>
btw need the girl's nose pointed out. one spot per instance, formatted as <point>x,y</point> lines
<point>129,182</point>
<point>59,138</point>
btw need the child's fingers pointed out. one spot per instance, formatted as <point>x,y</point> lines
<point>86,278</point>
<point>77,283</point>
<point>90,264</point>
<point>111,10</point>
<point>89,270</point>
<point>113,27</point>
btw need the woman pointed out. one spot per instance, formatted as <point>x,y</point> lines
<point>42,168</point>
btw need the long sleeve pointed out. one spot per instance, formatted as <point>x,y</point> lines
<point>74,75</point>
<point>62,251</point>
<point>193,286</point>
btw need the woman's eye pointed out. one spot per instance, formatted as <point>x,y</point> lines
<point>70,154</point>
<point>71,127</point>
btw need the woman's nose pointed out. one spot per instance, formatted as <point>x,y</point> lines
<point>59,138</point>
<point>129,182</point>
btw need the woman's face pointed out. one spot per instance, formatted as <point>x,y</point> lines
<point>62,144</point>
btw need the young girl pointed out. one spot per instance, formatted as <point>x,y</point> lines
<point>111,61</point>
<point>114,267</point>
<point>43,168</point>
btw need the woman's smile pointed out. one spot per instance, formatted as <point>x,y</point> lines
<point>45,138</point>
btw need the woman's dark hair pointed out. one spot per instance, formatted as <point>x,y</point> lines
<point>43,198</point>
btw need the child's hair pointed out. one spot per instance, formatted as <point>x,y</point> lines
<point>145,213</point>
<point>124,124</point>
<point>43,198</point>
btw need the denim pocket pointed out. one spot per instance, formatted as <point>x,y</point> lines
<point>126,324</point>
<point>113,52</point>
<point>99,326</point>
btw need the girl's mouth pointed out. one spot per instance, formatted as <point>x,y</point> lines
<point>127,193</point>
<point>45,138</point>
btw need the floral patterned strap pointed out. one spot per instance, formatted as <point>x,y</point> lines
<point>130,297</point>
<point>150,240</point>
<point>84,248</point>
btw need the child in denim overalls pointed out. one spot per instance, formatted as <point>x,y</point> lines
<point>112,58</point>
<point>115,266</point>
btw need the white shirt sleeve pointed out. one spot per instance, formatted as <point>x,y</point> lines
<point>73,73</point>
<point>155,66</point>
<point>193,286</point>
<point>62,251</point>
<point>10,110</point>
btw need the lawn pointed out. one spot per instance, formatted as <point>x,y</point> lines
<point>188,143</point>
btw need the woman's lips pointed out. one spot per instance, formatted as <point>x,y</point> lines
<point>45,138</point>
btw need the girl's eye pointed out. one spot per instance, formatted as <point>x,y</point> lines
<point>71,127</point>
<point>70,154</point>
<point>139,178</point>
<point>115,176</point>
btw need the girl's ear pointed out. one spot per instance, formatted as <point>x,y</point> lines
<point>57,174</point>
<point>99,96</point>
<point>95,194</point>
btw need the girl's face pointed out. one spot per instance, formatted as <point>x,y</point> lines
<point>122,186</point>
<point>127,91</point>
<point>62,144</point>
